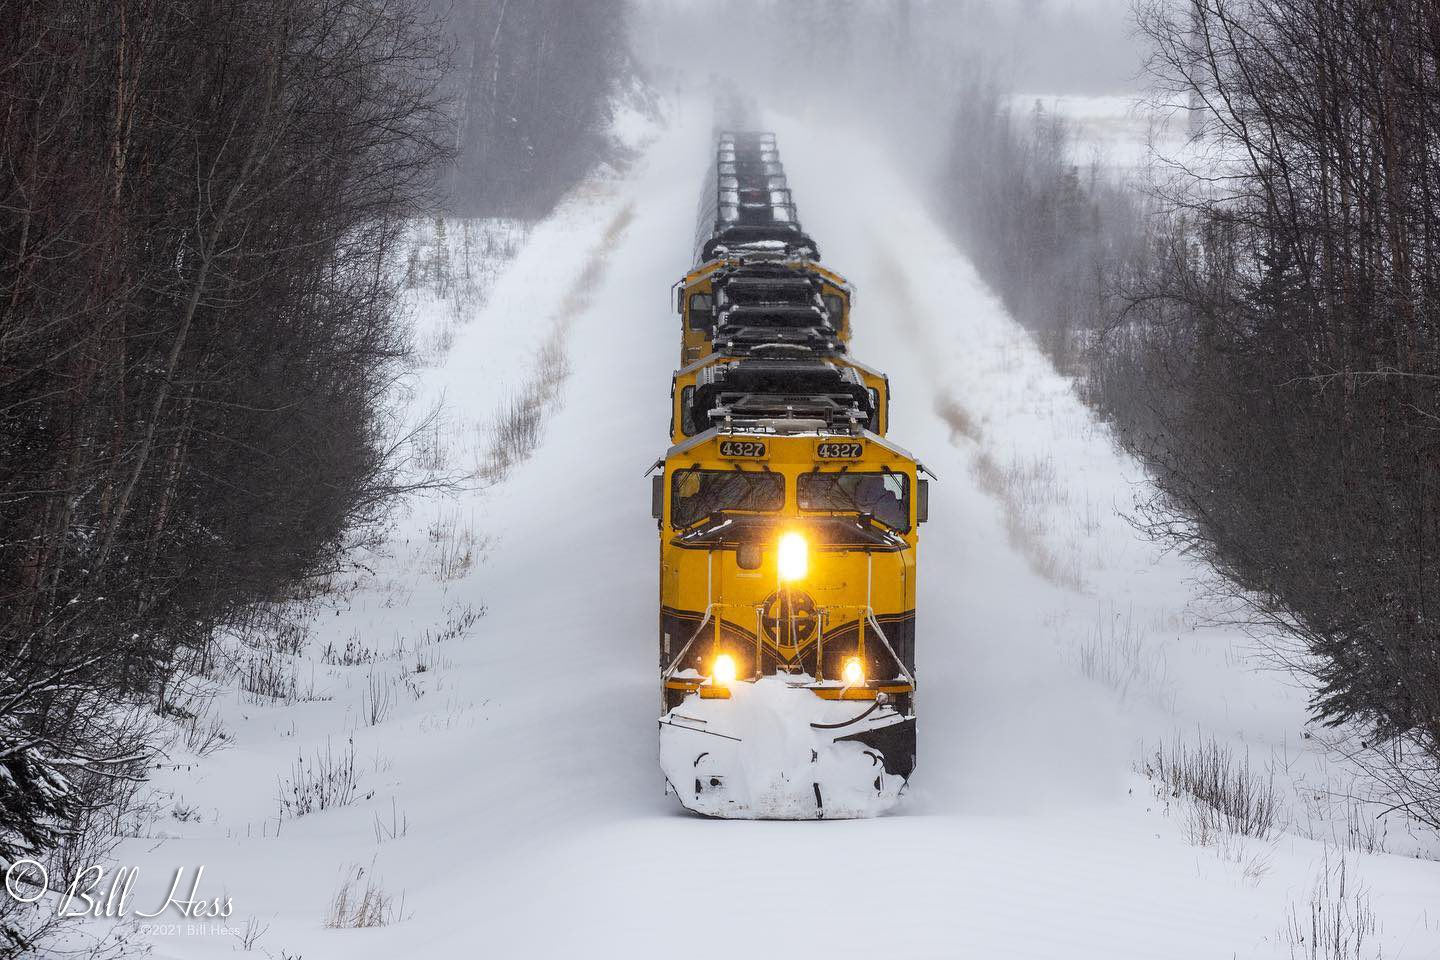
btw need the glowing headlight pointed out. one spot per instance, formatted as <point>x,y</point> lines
<point>853,673</point>
<point>722,671</point>
<point>792,556</point>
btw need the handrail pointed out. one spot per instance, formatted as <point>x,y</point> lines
<point>704,620</point>
<point>904,671</point>
<point>670,670</point>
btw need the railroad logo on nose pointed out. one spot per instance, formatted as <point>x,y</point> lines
<point>790,618</point>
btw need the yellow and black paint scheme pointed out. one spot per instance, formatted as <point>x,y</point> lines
<point>790,553</point>
<point>696,299</point>
<point>788,526</point>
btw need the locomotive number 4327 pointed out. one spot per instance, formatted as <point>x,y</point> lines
<point>751,449</point>
<point>839,450</point>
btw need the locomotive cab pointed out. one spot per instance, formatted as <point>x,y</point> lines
<point>787,572</point>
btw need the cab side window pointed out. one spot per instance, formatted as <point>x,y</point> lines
<point>687,411</point>
<point>702,307</point>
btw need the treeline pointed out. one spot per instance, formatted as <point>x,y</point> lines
<point>1048,234</point>
<point>199,206</point>
<point>532,87</point>
<point>1270,349</point>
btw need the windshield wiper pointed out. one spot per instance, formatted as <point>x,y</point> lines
<point>864,520</point>
<point>708,518</point>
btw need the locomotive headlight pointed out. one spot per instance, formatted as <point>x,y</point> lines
<point>792,556</point>
<point>853,673</point>
<point>722,671</point>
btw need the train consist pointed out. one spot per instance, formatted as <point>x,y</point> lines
<point>788,526</point>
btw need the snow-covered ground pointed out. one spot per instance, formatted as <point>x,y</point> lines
<point>508,786</point>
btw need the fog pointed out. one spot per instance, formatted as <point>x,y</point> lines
<point>892,68</point>
<point>829,49</point>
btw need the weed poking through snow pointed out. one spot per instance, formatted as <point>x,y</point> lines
<point>1226,795</point>
<point>361,902</point>
<point>328,781</point>
<point>1336,923</point>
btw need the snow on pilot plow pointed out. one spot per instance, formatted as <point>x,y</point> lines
<point>788,528</point>
<point>772,751</point>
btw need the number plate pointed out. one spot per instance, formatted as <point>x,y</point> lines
<point>839,450</point>
<point>743,449</point>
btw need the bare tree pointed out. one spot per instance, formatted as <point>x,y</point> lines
<point>1277,365</point>
<point>199,209</point>
<point>532,88</point>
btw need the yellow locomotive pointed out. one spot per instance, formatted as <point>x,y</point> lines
<point>788,528</point>
<point>718,293</point>
<point>787,578</point>
<point>755,264</point>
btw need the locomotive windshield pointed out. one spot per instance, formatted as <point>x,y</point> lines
<point>697,494</point>
<point>884,496</point>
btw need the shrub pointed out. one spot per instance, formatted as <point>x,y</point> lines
<point>1231,797</point>
<point>326,782</point>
